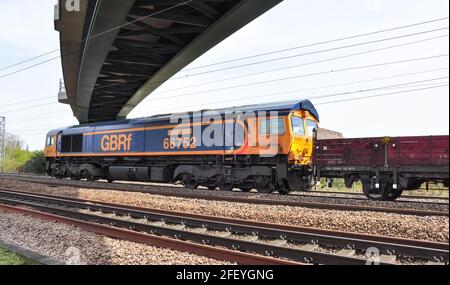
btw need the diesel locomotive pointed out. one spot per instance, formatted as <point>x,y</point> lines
<point>267,147</point>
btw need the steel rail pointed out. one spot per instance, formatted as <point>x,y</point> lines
<point>294,194</point>
<point>236,199</point>
<point>427,250</point>
<point>217,241</point>
<point>157,241</point>
<point>363,196</point>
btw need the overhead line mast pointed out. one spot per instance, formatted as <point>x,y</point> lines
<point>2,141</point>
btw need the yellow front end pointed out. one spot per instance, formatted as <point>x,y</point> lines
<point>50,146</point>
<point>302,127</point>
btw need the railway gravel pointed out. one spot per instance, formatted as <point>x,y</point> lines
<point>414,227</point>
<point>71,245</point>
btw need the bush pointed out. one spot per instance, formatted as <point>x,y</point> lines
<point>19,159</point>
<point>36,163</point>
<point>15,159</point>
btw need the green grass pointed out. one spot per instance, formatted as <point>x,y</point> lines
<point>10,258</point>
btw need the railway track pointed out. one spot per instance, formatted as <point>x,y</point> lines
<point>313,194</point>
<point>243,242</point>
<point>359,196</point>
<point>222,196</point>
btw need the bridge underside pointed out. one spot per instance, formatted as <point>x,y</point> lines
<point>111,72</point>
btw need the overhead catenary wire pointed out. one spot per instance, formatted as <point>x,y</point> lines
<point>314,52</point>
<point>244,75</point>
<point>435,85</point>
<point>273,70</point>
<point>360,98</point>
<point>261,54</point>
<point>319,43</point>
<point>255,83</point>
<point>306,75</point>
<point>300,65</point>
<point>29,107</point>
<point>382,95</point>
<point>404,85</point>
<point>302,76</point>
<point>267,71</point>
<point>29,67</point>
<point>291,67</point>
<point>173,78</point>
<point>286,78</point>
<point>340,94</point>
<point>27,101</point>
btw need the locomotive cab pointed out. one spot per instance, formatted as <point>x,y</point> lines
<point>50,145</point>
<point>303,125</point>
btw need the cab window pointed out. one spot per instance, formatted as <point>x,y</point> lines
<point>50,141</point>
<point>271,127</point>
<point>298,128</point>
<point>311,125</point>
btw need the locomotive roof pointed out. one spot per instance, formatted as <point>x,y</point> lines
<point>269,107</point>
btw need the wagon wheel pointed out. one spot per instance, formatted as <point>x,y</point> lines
<point>375,194</point>
<point>224,186</point>
<point>189,181</point>
<point>263,185</point>
<point>283,188</point>
<point>246,187</point>
<point>393,194</point>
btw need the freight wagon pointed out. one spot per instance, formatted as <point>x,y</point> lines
<point>386,166</point>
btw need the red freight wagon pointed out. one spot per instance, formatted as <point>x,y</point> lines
<point>386,166</point>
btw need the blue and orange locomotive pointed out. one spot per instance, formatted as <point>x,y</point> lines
<point>267,147</point>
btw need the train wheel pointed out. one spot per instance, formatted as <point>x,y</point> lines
<point>89,176</point>
<point>189,181</point>
<point>224,186</point>
<point>263,185</point>
<point>211,185</point>
<point>246,187</point>
<point>375,194</point>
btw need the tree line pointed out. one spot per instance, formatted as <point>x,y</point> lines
<point>18,158</point>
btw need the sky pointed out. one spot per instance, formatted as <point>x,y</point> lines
<point>415,89</point>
